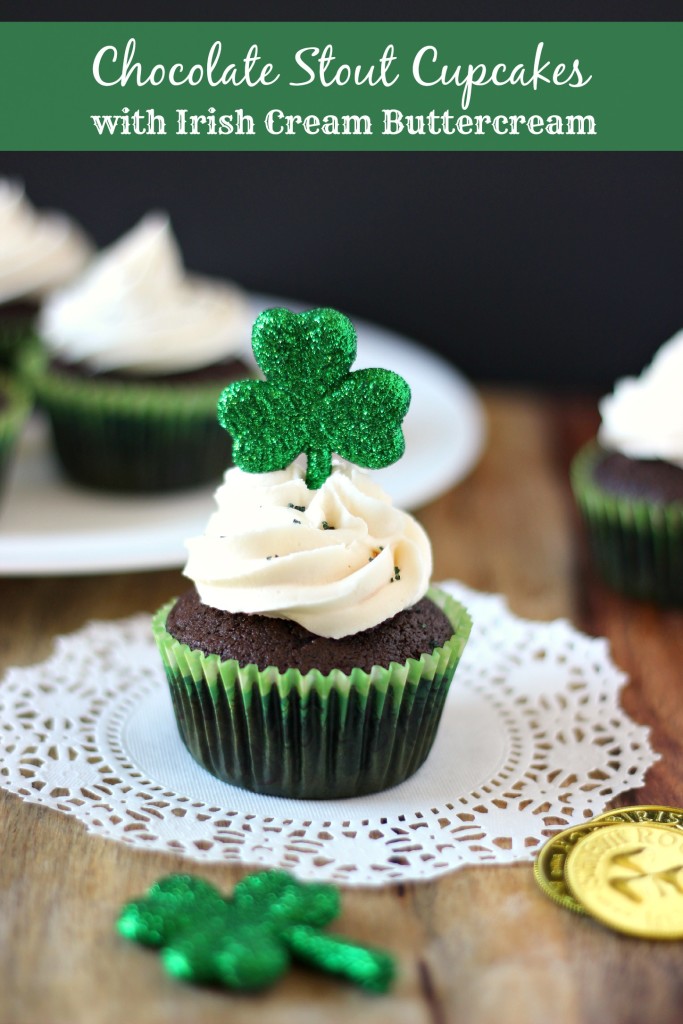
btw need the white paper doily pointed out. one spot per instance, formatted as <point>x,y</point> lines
<point>532,740</point>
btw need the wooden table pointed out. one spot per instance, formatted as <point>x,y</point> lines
<point>478,945</point>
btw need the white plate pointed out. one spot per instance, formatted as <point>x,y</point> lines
<point>51,527</point>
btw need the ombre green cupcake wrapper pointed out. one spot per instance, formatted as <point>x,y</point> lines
<point>12,418</point>
<point>16,336</point>
<point>310,736</point>
<point>637,544</point>
<point>131,436</point>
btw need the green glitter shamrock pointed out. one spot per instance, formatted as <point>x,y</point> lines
<point>248,941</point>
<point>311,401</point>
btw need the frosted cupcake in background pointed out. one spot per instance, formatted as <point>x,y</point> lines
<point>311,658</point>
<point>629,483</point>
<point>39,252</point>
<point>134,355</point>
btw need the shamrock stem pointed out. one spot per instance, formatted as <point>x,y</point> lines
<point>369,968</point>
<point>318,467</point>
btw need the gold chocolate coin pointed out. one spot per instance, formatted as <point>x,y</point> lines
<point>550,862</point>
<point>630,877</point>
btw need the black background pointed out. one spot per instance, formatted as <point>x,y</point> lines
<point>545,268</point>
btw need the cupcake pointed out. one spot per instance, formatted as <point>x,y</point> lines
<point>133,354</point>
<point>629,482</point>
<point>310,659</point>
<point>39,252</point>
<point>14,408</point>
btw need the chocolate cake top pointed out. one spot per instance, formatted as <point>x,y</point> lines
<point>264,641</point>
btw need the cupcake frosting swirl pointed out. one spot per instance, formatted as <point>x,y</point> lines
<point>336,560</point>
<point>643,417</point>
<point>136,310</point>
<point>39,250</point>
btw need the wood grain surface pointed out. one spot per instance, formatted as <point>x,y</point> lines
<point>477,946</point>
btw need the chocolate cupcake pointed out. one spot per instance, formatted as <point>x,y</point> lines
<point>311,659</point>
<point>132,358</point>
<point>629,482</point>
<point>39,252</point>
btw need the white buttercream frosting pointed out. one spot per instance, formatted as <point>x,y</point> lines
<point>336,560</point>
<point>643,417</point>
<point>137,310</point>
<point>39,250</point>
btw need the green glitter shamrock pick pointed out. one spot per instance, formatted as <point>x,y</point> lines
<point>248,941</point>
<point>311,401</point>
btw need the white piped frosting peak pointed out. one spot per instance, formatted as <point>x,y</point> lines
<point>337,560</point>
<point>643,417</point>
<point>137,310</point>
<point>39,250</point>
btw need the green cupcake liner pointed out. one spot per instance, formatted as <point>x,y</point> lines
<point>16,336</point>
<point>637,544</point>
<point>310,736</point>
<point>131,436</point>
<point>12,418</point>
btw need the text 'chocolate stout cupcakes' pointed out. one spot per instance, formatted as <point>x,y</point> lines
<point>311,660</point>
